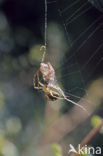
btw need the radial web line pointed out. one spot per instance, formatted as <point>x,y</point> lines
<point>91,34</point>
<point>83,90</point>
<point>100,46</point>
<point>96,66</point>
<point>77,11</point>
<point>68,67</point>
<point>67,34</point>
<point>70,94</point>
<point>90,26</point>
<point>84,11</point>
<point>83,43</point>
<point>73,89</point>
<point>68,74</point>
<point>75,96</point>
<point>71,5</point>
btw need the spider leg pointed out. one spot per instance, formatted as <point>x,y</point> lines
<point>34,81</point>
<point>45,89</point>
<point>51,95</point>
<point>39,85</point>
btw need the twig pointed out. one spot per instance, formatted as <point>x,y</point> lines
<point>90,136</point>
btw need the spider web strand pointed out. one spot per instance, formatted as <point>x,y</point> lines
<point>64,10</point>
<point>45,32</point>
<point>100,46</point>
<point>76,11</point>
<point>90,26</point>
<point>83,43</point>
<point>83,12</point>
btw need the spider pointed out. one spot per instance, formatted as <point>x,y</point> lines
<point>47,74</point>
<point>45,80</point>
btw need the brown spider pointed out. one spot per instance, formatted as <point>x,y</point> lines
<point>47,74</point>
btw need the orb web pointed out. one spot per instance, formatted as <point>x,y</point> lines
<point>83,25</point>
